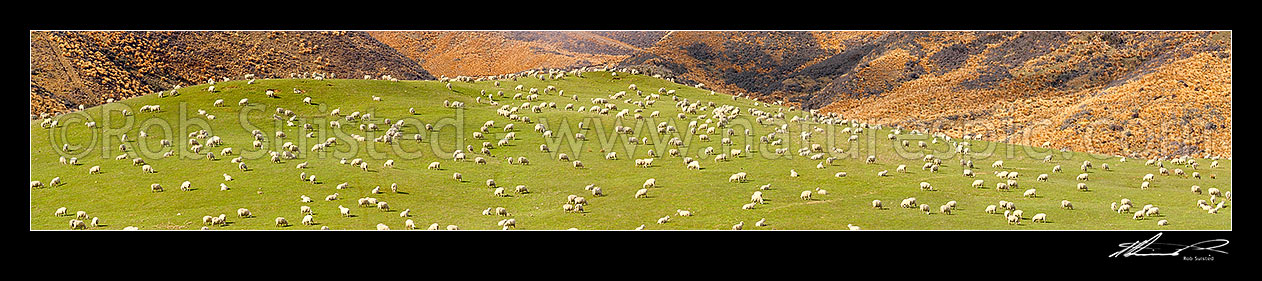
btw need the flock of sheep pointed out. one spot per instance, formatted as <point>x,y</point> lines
<point>630,104</point>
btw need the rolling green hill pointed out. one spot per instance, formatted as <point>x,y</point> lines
<point>120,196</point>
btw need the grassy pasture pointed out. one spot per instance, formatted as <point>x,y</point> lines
<point>120,196</point>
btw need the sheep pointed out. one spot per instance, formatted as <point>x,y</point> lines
<point>457,177</point>
<point>94,170</point>
<point>925,208</point>
<point>243,212</point>
<point>1196,189</point>
<point>806,195</point>
<point>1123,208</point>
<point>155,188</point>
<point>499,192</point>
<point>1083,177</point>
<point>991,209</point>
<point>308,220</point>
<point>1082,186</point>
<point>1041,217</point>
<point>346,212</point>
<point>1139,215</point>
<point>1215,192</point>
<point>1163,222</point>
<point>882,173</point>
<point>876,204</point>
<point>1017,213</point>
<point>908,203</point>
<point>281,222</point>
<point>978,183</point>
<point>643,192</point>
<point>925,186</point>
<point>1144,185</point>
<point>1029,193</point>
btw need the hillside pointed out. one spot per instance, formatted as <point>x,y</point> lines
<point>1126,93</point>
<point>69,69</point>
<point>1129,93</point>
<point>480,53</point>
<point>841,189</point>
<point>1141,94</point>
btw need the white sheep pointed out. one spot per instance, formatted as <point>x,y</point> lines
<point>1040,217</point>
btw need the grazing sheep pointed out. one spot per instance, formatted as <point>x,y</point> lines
<point>643,192</point>
<point>1041,217</point>
<point>991,209</point>
<point>908,203</point>
<point>925,186</point>
<point>1083,177</point>
<point>281,222</point>
<point>1029,193</point>
<point>383,206</point>
<point>806,195</point>
<point>1139,215</point>
<point>1001,186</point>
<point>925,208</point>
<point>876,204</point>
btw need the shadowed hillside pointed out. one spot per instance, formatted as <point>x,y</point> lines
<point>1126,93</point>
<point>86,68</point>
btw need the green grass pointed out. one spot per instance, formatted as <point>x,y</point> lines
<point>120,196</point>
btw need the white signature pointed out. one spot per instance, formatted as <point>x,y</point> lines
<point>1150,247</point>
